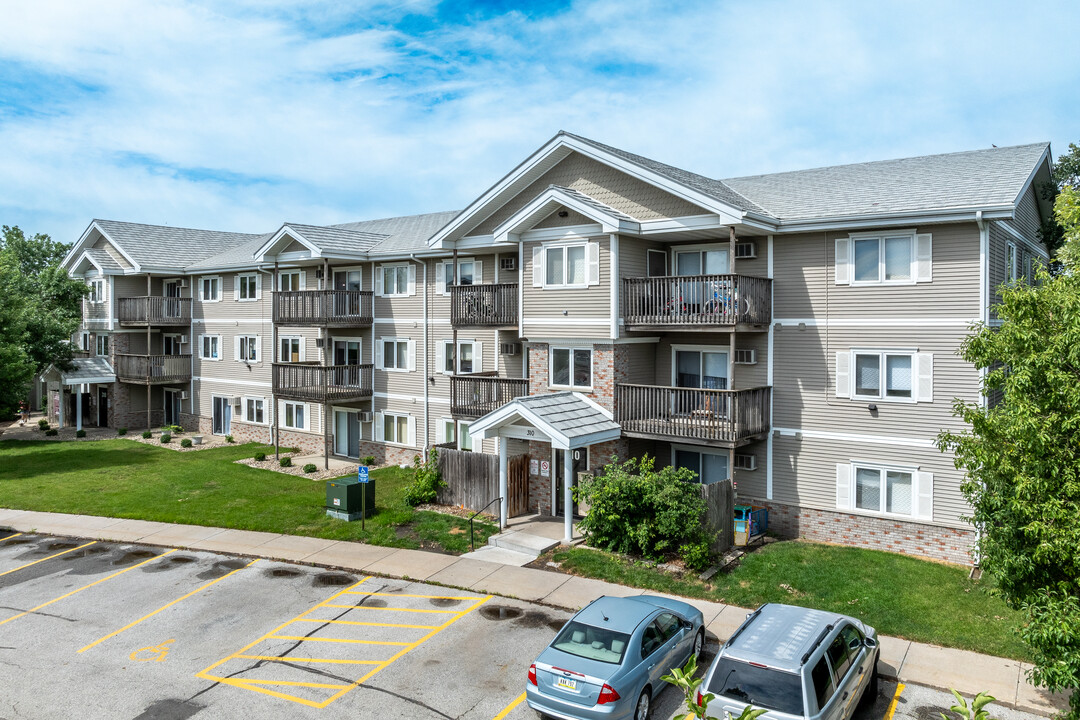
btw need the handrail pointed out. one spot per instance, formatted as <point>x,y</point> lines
<point>472,544</point>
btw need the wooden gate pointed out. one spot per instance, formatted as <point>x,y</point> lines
<point>518,486</point>
<point>720,513</point>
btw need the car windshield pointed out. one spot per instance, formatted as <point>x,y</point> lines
<point>591,642</point>
<point>762,687</point>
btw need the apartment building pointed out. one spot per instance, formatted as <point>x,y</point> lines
<point>795,331</point>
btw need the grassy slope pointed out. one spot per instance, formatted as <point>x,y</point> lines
<point>121,478</point>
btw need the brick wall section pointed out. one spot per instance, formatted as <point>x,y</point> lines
<point>539,486</point>
<point>604,373</point>
<point>938,543</point>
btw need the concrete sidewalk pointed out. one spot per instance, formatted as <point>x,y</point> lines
<point>909,662</point>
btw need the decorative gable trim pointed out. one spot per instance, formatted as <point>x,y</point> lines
<point>610,220</point>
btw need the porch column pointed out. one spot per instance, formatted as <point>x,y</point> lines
<point>568,501</point>
<point>78,408</point>
<point>503,482</point>
<point>60,394</point>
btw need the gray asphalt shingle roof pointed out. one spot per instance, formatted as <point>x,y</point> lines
<point>403,234</point>
<point>233,257</point>
<point>85,369</point>
<point>104,260</point>
<point>568,413</point>
<point>588,200</point>
<point>338,238</point>
<point>158,245</point>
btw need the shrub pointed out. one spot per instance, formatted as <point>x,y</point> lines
<point>285,462</point>
<point>43,424</point>
<point>425,485</point>
<point>634,509</point>
<point>186,442</point>
<point>229,439</point>
<point>165,437</point>
<point>172,429</point>
<point>80,433</point>
<point>121,431</point>
<point>369,460</point>
<point>310,468</point>
<point>52,432</point>
<point>147,434</point>
<point>259,456</point>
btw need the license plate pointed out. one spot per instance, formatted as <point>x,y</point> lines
<point>566,683</point>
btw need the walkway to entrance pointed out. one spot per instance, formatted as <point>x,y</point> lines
<point>525,538</point>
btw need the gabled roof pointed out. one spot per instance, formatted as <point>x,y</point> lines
<point>102,260</point>
<point>610,219</point>
<point>83,370</point>
<point>569,419</point>
<point>994,177</point>
<point>320,240</point>
<point>169,247</point>
<point>403,234</point>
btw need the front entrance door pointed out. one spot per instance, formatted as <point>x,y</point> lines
<point>222,415</point>
<point>347,304</point>
<point>347,433</point>
<point>170,345</point>
<point>172,407</point>
<point>700,369</point>
<point>171,306</point>
<point>103,407</point>
<point>580,464</point>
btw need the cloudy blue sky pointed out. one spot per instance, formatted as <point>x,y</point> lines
<point>242,114</point>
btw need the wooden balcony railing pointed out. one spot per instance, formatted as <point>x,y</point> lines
<point>696,301</point>
<point>729,417</point>
<point>322,383</point>
<point>334,308</point>
<point>153,369</point>
<point>477,395</point>
<point>152,310</point>
<point>490,305</point>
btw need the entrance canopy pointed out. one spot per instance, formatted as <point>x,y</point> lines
<point>567,420</point>
<point>83,371</point>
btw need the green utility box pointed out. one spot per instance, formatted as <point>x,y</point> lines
<point>349,499</point>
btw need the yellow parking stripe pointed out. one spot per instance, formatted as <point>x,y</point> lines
<point>370,624</point>
<point>65,552</point>
<point>164,607</point>
<point>315,638</point>
<point>10,536</point>
<point>428,597</point>
<point>506,710</point>
<point>895,699</point>
<point>86,587</point>
<point>290,658</point>
<point>293,683</point>
<point>397,609</point>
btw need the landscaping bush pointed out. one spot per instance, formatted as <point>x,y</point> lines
<point>425,485</point>
<point>186,442</point>
<point>52,432</point>
<point>147,434</point>
<point>259,457</point>
<point>368,460</point>
<point>285,462</point>
<point>310,468</point>
<point>633,509</point>
<point>165,437</point>
<point>43,424</point>
<point>121,431</point>
<point>80,433</point>
<point>229,439</point>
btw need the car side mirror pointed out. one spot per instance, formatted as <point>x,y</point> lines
<point>855,644</point>
<point>870,643</point>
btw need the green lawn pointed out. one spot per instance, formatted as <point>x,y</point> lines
<point>121,478</point>
<point>899,595</point>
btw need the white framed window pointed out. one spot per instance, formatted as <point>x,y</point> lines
<point>346,351</point>
<point>465,441</point>
<point>289,280</point>
<point>395,428</point>
<point>102,345</point>
<point>571,368</point>
<point>210,347</point>
<point>397,280</point>
<point>901,257</point>
<point>210,288</point>
<point>255,410</point>
<point>397,354</point>
<point>469,358</point>
<point>470,272</point>
<point>1012,262</point>
<point>456,433</point>
<point>247,287</point>
<point>85,342</point>
<point>294,415</point>
<point>248,348</point>
<point>291,349</point>
<point>710,467</point>
<point>566,265</point>
<point>885,375</point>
<point>97,291</point>
<point>885,489</point>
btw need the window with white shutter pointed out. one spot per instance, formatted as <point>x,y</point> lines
<point>889,258</point>
<point>885,489</point>
<point>885,375</point>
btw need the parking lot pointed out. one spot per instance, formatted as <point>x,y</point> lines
<point>109,630</point>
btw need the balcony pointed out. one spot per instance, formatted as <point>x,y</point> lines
<point>697,302</point>
<point>477,395</point>
<point>150,311</point>
<point>484,305</point>
<point>322,383</point>
<point>726,418</point>
<point>153,369</point>
<point>324,308</point>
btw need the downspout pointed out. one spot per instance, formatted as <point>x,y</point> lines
<point>273,351</point>
<point>149,422</point>
<point>427,404</point>
<point>325,332</point>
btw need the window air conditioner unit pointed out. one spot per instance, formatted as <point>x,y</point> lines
<point>183,339</point>
<point>508,262</point>
<point>366,416</point>
<point>182,283</point>
<point>745,462</point>
<point>745,357</point>
<point>236,400</point>
<point>746,250</point>
<point>183,395</point>
<point>510,348</point>
<point>320,342</point>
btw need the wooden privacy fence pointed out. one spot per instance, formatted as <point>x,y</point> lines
<point>720,513</point>
<point>472,480</point>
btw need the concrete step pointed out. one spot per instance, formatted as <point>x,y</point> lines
<point>522,542</point>
<point>499,555</point>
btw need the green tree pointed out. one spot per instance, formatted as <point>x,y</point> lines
<point>1066,173</point>
<point>1021,457</point>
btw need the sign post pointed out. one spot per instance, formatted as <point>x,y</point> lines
<point>362,476</point>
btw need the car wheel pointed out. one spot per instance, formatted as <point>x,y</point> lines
<point>641,710</point>
<point>699,644</point>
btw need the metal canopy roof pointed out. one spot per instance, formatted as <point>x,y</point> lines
<point>569,419</point>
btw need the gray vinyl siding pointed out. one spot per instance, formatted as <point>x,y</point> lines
<point>636,363</point>
<point>804,382</point>
<point>634,256</point>
<point>548,305</point>
<point>612,187</point>
<point>756,375</point>
<point>804,473</point>
<point>753,484</point>
<point>804,283</point>
<point>1028,219</point>
<point>756,266</point>
<point>741,377</point>
<point>573,217</point>
<point>229,308</point>
<point>999,240</point>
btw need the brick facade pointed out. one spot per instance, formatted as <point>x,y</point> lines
<point>604,373</point>
<point>931,541</point>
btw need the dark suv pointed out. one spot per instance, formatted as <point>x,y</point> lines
<point>795,663</point>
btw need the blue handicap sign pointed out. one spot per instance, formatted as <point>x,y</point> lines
<point>362,473</point>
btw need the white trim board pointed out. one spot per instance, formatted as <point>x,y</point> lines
<point>784,323</point>
<point>850,437</point>
<point>223,381</point>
